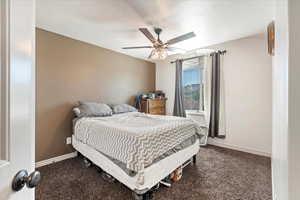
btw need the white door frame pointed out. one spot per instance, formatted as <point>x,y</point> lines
<point>17,78</point>
<point>4,54</point>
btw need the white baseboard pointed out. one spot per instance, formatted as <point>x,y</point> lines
<point>238,148</point>
<point>55,159</point>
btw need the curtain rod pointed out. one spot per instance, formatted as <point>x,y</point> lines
<point>184,59</point>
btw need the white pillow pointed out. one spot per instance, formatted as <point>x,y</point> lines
<point>123,108</point>
<point>91,109</point>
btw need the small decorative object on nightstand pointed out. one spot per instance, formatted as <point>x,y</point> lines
<point>154,106</point>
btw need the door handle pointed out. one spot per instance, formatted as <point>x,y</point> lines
<point>22,178</point>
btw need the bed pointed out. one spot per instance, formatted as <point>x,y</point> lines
<point>137,149</point>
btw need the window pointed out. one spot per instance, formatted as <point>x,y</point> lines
<point>192,75</point>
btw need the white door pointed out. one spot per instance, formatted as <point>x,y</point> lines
<point>17,97</point>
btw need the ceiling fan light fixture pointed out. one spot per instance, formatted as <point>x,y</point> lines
<point>161,49</point>
<point>158,54</point>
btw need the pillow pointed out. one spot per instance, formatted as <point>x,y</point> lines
<point>90,109</point>
<point>76,111</point>
<point>122,108</point>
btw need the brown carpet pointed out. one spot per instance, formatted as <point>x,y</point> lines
<point>220,174</point>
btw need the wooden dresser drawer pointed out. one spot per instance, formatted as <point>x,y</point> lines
<point>157,111</point>
<point>156,104</point>
<point>153,106</point>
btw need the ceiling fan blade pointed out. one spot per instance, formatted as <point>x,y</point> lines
<point>181,38</point>
<point>175,49</point>
<point>140,47</point>
<point>146,32</point>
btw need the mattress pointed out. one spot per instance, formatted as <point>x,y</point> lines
<point>187,143</point>
<point>135,139</point>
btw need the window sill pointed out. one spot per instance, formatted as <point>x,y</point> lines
<point>199,113</point>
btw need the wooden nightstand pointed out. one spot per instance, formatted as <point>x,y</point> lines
<point>154,106</point>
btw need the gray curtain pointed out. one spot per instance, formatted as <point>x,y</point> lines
<point>215,96</point>
<point>179,104</point>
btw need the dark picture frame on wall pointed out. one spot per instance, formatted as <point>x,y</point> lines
<point>271,38</point>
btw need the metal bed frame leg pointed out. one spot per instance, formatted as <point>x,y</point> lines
<point>146,196</point>
<point>194,159</point>
<point>86,162</point>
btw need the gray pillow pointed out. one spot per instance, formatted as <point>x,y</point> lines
<point>91,109</point>
<point>122,108</point>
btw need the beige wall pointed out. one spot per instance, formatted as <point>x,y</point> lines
<point>68,71</point>
<point>248,93</point>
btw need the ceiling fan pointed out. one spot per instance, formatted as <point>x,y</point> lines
<point>161,49</point>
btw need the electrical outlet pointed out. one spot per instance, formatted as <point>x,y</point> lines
<point>69,140</point>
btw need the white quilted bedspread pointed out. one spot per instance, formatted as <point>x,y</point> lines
<point>135,139</point>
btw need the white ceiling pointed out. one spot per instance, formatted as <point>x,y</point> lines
<point>114,24</point>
